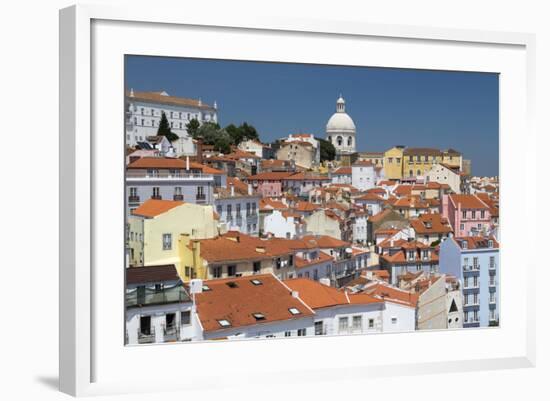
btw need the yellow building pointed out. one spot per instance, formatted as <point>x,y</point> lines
<point>393,163</point>
<point>234,255</point>
<point>402,163</point>
<point>155,229</point>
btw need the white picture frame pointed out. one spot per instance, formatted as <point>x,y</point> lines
<point>89,354</point>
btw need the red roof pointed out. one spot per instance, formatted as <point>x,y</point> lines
<point>241,302</point>
<point>154,207</point>
<point>318,295</point>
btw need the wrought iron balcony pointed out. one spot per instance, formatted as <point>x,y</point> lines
<point>146,336</point>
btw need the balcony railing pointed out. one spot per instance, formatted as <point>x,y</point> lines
<point>136,297</point>
<point>133,199</point>
<point>178,198</point>
<point>147,336</point>
<point>160,176</point>
<point>469,268</point>
<point>493,266</point>
<point>158,197</point>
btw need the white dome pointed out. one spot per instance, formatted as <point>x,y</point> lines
<point>340,122</point>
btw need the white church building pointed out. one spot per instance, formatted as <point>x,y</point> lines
<point>340,130</point>
<point>144,111</point>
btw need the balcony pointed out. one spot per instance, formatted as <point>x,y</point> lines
<point>157,197</point>
<point>137,176</point>
<point>171,332</point>
<point>200,198</point>
<point>133,199</point>
<point>470,268</point>
<point>178,198</point>
<point>137,297</point>
<point>493,267</point>
<point>146,336</point>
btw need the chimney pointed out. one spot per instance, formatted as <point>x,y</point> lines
<point>232,186</point>
<point>325,281</point>
<point>249,189</point>
<point>187,163</point>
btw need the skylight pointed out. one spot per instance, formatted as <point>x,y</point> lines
<point>294,311</point>
<point>224,323</point>
<point>256,282</point>
<point>259,316</point>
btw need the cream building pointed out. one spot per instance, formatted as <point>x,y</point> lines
<point>340,130</point>
<point>155,228</point>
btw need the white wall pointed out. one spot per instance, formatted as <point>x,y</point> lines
<point>405,315</point>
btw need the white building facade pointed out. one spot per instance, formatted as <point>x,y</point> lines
<point>144,111</point>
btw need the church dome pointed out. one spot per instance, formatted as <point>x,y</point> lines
<point>340,122</point>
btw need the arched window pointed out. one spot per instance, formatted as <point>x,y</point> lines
<point>330,139</point>
<point>411,173</point>
<point>418,172</point>
<point>350,140</point>
<point>339,141</point>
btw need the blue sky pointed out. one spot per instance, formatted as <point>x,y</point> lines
<point>416,108</point>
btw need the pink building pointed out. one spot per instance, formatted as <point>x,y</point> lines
<point>269,184</point>
<point>467,214</point>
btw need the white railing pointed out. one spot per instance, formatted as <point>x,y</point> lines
<point>190,177</point>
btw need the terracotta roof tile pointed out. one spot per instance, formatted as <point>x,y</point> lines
<point>155,207</point>
<point>238,302</point>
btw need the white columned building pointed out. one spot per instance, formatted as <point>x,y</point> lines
<point>340,129</point>
<point>144,111</point>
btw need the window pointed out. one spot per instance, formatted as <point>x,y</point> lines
<point>278,263</point>
<point>319,328</point>
<point>294,311</point>
<point>483,214</point>
<point>200,192</point>
<point>288,333</point>
<point>291,260</point>
<point>492,298</point>
<point>156,192</point>
<point>185,317</point>
<point>473,214</point>
<point>238,209</point>
<point>476,281</point>
<point>256,267</point>
<point>393,320</point>
<point>217,272</point>
<point>476,296</point>
<point>219,209</point>
<point>301,332</point>
<point>418,267</point>
<point>224,323</point>
<point>464,214</point>
<point>248,209</point>
<point>231,270</point>
<point>371,323</point>
<point>466,317</point>
<point>342,324</point>
<point>357,322</point>
<point>492,262</point>
<point>159,287</point>
<point>145,325</point>
<point>166,242</point>
<point>256,282</point>
<point>476,263</point>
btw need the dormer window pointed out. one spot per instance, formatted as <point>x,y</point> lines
<point>464,244</point>
<point>490,243</point>
<point>224,323</point>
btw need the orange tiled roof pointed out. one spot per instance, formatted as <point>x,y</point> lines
<point>169,163</point>
<point>392,294</point>
<point>154,207</point>
<point>431,223</point>
<point>241,299</point>
<point>342,171</point>
<point>318,295</point>
<point>157,97</point>
<point>467,201</point>
<point>270,176</point>
<point>272,204</point>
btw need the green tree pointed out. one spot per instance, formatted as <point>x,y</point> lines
<point>242,133</point>
<point>212,134</point>
<point>192,127</point>
<point>165,130</point>
<point>328,151</point>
